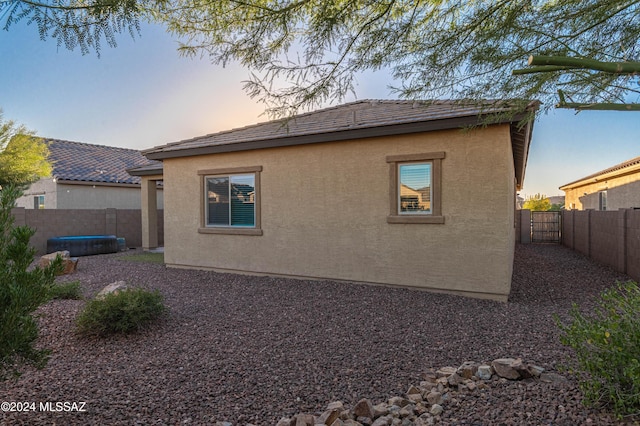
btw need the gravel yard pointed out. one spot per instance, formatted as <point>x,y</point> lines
<point>254,349</point>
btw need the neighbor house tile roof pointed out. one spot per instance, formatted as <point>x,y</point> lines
<point>624,167</point>
<point>361,119</point>
<point>83,162</point>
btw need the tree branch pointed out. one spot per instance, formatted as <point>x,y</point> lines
<point>630,67</point>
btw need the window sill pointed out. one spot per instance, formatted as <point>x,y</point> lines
<point>415,219</point>
<point>231,231</point>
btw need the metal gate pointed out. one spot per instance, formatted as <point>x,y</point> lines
<point>546,227</point>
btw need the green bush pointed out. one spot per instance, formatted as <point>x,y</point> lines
<point>607,347</point>
<point>70,290</point>
<point>22,291</point>
<point>121,312</point>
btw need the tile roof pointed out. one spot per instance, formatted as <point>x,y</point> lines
<point>618,167</point>
<point>346,118</point>
<point>365,119</point>
<point>83,162</point>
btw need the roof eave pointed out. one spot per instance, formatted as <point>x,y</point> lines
<point>148,171</point>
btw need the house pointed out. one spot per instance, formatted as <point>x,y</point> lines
<point>87,176</point>
<point>617,187</point>
<point>416,194</point>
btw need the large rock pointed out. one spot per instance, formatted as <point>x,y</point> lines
<point>70,264</point>
<point>506,368</point>
<point>364,408</point>
<point>304,420</point>
<point>468,369</point>
<point>329,417</point>
<point>112,288</point>
<point>484,372</point>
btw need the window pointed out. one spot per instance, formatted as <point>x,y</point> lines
<point>231,201</point>
<point>415,188</point>
<point>602,200</point>
<point>38,202</point>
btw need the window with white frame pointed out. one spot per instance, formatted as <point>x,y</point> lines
<point>415,188</point>
<point>231,201</point>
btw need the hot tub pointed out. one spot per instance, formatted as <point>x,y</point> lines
<point>83,245</point>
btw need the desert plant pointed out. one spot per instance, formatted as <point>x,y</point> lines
<point>70,290</point>
<point>607,348</point>
<point>124,311</point>
<point>22,290</point>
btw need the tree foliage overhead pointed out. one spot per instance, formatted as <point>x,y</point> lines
<point>302,53</point>
<point>75,23</point>
<point>23,156</point>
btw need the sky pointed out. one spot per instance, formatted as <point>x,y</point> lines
<point>143,94</point>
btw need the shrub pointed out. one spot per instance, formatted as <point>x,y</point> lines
<point>607,347</point>
<point>70,290</point>
<point>125,311</point>
<point>22,290</point>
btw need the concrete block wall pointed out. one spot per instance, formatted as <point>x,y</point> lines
<point>609,237</point>
<point>50,223</point>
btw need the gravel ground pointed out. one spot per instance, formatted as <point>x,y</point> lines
<point>254,349</point>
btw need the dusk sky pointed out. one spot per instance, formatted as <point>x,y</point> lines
<point>143,94</point>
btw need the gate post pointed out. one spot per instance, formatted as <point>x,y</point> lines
<point>525,226</point>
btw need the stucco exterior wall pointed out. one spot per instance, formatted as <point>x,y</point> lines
<point>46,187</point>
<point>324,214</point>
<point>622,192</point>
<point>72,196</point>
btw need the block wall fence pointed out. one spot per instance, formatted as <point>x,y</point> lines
<point>123,223</point>
<point>609,237</point>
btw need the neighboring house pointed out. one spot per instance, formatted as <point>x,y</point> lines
<point>617,187</point>
<point>87,176</point>
<point>556,199</point>
<point>388,192</point>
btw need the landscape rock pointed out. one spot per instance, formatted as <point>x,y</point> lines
<point>69,264</point>
<point>467,370</point>
<point>455,379</point>
<point>112,288</point>
<point>335,405</point>
<point>484,372</point>
<point>399,401</point>
<point>305,420</point>
<point>436,409</point>
<point>364,408</point>
<point>434,398</point>
<point>329,417</point>
<point>504,368</point>
<point>443,388</point>
<point>380,410</point>
<point>445,372</point>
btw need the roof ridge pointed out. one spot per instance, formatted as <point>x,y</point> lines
<point>86,144</point>
<point>307,113</point>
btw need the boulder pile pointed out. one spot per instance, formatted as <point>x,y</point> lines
<point>422,404</point>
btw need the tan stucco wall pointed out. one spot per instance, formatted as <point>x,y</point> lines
<point>46,187</point>
<point>623,191</point>
<point>66,196</point>
<point>324,210</point>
